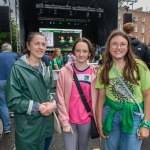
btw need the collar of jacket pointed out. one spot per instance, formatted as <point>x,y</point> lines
<point>69,66</point>
<point>23,63</point>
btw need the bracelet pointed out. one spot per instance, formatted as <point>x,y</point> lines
<point>145,124</point>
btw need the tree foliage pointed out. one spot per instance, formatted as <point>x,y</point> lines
<point>6,36</point>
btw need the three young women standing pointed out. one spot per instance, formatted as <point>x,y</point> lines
<point>118,117</point>
<point>28,96</point>
<point>73,116</point>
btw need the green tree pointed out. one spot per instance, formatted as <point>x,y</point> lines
<point>5,36</point>
<point>14,33</point>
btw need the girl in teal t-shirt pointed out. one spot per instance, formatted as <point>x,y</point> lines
<point>56,61</point>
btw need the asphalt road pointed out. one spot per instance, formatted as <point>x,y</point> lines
<point>8,140</point>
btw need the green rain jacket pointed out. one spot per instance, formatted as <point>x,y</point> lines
<point>24,85</point>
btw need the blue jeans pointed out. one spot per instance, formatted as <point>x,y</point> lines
<point>47,143</point>
<point>4,113</point>
<point>119,140</point>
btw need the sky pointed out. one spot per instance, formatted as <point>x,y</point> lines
<point>12,4</point>
<point>141,3</point>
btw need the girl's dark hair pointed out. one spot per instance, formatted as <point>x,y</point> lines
<point>130,63</point>
<point>90,46</point>
<point>31,35</point>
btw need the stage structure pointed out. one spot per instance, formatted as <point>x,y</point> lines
<point>95,18</point>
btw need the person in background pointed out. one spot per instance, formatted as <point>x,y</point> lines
<point>46,58</point>
<point>119,122</point>
<point>71,58</point>
<point>7,59</point>
<point>62,39</point>
<point>65,58</point>
<point>28,90</point>
<point>74,118</point>
<point>71,40</point>
<point>139,49</point>
<point>56,62</point>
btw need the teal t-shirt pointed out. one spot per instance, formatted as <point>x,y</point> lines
<point>116,91</point>
<point>57,61</point>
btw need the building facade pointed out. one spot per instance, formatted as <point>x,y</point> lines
<point>141,20</point>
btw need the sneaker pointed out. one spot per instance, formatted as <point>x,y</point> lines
<point>7,131</point>
<point>11,114</point>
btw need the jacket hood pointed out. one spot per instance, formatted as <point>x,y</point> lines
<point>134,41</point>
<point>22,61</point>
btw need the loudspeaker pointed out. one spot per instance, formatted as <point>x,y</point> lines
<point>4,19</point>
<point>127,18</point>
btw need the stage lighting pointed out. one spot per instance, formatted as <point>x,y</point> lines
<point>55,12</point>
<point>40,12</point>
<point>87,14</point>
<point>70,13</point>
<point>99,15</point>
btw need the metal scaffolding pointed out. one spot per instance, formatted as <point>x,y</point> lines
<point>17,26</point>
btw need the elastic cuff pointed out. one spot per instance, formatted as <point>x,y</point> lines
<point>35,108</point>
<point>51,98</point>
<point>30,107</point>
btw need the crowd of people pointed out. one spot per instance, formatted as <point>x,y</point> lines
<point>117,92</point>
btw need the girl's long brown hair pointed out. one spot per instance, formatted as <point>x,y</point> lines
<point>130,63</point>
<point>55,53</point>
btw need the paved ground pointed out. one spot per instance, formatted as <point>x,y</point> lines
<point>7,142</point>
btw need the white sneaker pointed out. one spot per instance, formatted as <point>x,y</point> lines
<point>8,131</point>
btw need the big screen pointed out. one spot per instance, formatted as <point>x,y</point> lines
<point>61,38</point>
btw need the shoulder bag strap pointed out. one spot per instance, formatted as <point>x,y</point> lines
<point>83,98</point>
<point>128,91</point>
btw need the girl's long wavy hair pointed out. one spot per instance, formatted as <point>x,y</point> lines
<point>54,55</point>
<point>130,64</point>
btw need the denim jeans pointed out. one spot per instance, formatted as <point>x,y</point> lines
<point>47,143</point>
<point>4,113</point>
<point>119,140</point>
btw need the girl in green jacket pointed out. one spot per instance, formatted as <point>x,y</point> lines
<point>28,95</point>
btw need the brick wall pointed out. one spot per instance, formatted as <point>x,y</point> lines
<point>141,20</point>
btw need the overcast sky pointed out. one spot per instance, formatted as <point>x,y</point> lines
<point>141,3</point>
<point>12,4</point>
